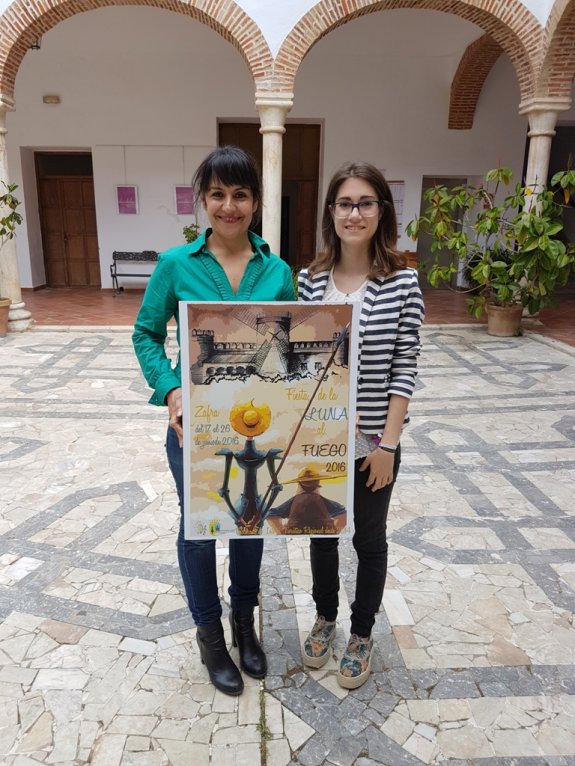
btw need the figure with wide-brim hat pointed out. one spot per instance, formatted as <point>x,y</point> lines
<point>308,511</point>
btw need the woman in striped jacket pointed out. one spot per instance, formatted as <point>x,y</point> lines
<point>360,263</point>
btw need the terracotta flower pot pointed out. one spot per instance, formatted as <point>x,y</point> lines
<point>4,309</point>
<point>504,321</point>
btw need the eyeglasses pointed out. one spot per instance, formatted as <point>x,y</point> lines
<point>367,208</point>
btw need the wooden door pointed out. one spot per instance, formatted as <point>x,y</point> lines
<point>69,234</point>
<point>301,168</point>
<point>300,182</point>
<point>52,232</point>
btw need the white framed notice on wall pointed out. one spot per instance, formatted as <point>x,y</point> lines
<point>397,189</point>
<point>184,196</point>
<point>127,199</point>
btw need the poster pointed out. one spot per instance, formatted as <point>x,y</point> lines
<point>127,199</point>
<point>184,196</point>
<point>269,418</point>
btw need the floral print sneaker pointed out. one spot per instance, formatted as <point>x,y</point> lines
<point>316,649</point>
<point>355,665</point>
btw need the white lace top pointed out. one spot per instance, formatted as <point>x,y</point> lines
<point>333,294</point>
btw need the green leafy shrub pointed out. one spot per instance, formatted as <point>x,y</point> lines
<point>512,250</point>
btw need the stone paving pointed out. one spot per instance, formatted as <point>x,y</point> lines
<point>475,646</point>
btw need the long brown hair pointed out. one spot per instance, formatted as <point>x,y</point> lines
<point>385,258</point>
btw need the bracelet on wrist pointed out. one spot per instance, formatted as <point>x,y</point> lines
<point>387,447</point>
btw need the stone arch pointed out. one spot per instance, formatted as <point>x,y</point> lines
<point>25,21</point>
<point>508,22</point>
<point>558,67</point>
<point>475,65</point>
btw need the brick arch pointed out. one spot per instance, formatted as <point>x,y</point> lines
<point>475,65</point>
<point>508,22</point>
<point>26,20</point>
<point>558,67</point>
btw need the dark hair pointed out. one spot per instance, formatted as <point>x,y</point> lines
<point>385,259</point>
<point>231,166</point>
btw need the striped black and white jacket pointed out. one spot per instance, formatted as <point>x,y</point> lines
<point>391,315</point>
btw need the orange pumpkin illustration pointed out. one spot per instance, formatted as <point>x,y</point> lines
<point>249,420</point>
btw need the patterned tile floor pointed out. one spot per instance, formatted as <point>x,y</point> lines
<point>77,306</point>
<point>475,644</point>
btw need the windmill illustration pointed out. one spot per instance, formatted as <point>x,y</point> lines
<point>271,355</point>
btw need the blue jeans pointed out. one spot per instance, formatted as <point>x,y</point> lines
<point>370,511</point>
<point>197,559</point>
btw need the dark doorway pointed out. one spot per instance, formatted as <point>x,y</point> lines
<point>563,158</point>
<point>300,182</point>
<point>425,257</point>
<point>68,219</point>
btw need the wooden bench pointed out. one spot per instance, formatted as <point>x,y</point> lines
<point>118,256</point>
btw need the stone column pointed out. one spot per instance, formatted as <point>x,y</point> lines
<point>19,318</point>
<point>272,108</point>
<point>542,114</point>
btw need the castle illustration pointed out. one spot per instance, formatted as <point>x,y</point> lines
<point>272,356</point>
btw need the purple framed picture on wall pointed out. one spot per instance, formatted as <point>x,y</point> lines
<point>184,200</point>
<point>127,198</point>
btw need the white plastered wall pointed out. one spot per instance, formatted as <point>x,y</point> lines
<point>143,89</point>
<point>384,95</point>
<point>145,104</point>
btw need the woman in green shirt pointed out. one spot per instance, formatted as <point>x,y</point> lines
<point>227,263</point>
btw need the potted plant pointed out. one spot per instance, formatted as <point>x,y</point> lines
<point>191,232</point>
<point>509,248</point>
<point>9,219</point>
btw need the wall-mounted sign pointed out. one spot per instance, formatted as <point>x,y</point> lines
<point>127,198</point>
<point>184,200</point>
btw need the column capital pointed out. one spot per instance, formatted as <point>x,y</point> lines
<point>6,105</point>
<point>542,113</point>
<point>545,104</point>
<point>282,99</point>
<point>273,107</point>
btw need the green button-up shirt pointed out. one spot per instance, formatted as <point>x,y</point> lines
<point>191,273</point>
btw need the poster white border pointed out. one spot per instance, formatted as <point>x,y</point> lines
<point>186,394</point>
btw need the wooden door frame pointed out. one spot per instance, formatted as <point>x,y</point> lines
<point>319,123</point>
<point>60,153</point>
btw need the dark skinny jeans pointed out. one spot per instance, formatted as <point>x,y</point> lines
<point>197,559</point>
<point>370,511</point>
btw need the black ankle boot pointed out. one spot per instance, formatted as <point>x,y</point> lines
<point>215,656</point>
<point>252,657</point>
